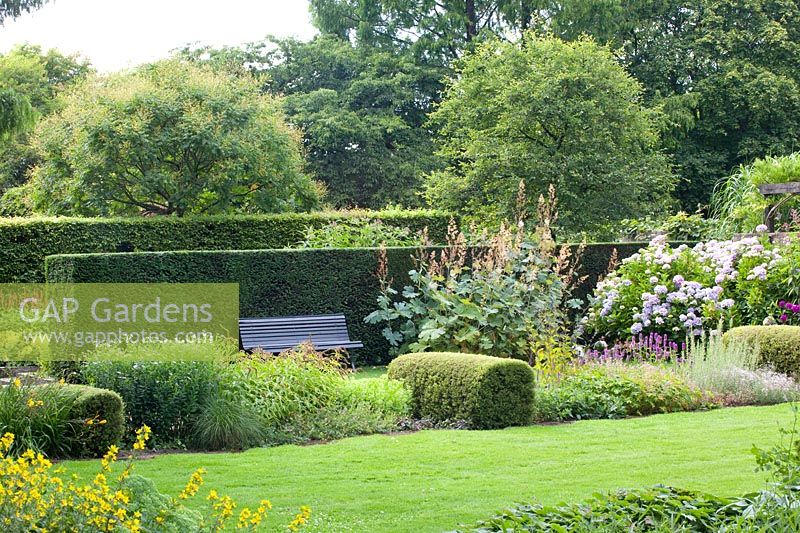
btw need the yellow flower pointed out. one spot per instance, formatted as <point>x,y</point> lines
<point>142,436</point>
<point>193,485</point>
<point>17,383</point>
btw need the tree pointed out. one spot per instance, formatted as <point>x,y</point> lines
<point>362,112</point>
<point>16,112</point>
<point>169,138</point>
<point>550,113</point>
<point>36,78</point>
<point>11,9</point>
<point>436,31</point>
<point>724,71</point>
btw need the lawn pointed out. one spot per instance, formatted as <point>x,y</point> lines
<point>435,480</point>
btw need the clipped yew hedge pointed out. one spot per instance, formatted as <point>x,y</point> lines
<point>487,392</point>
<point>271,282</point>
<point>289,282</point>
<point>25,242</point>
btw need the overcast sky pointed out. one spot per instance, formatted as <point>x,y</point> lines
<point>115,34</point>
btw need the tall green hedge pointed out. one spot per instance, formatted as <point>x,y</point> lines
<point>488,392</point>
<point>288,282</point>
<point>271,282</point>
<point>24,243</point>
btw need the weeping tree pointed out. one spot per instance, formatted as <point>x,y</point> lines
<point>16,113</point>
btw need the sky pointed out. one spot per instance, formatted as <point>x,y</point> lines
<point>116,34</point>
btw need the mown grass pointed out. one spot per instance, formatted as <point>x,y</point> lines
<point>436,480</point>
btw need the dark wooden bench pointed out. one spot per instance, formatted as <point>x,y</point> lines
<point>278,334</point>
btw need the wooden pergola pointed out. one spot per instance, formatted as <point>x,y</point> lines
<point>790,190</point>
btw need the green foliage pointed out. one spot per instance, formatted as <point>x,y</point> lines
<point>679,227</point>
<point>500,304</point>
<point>227,422</point>
<point>170,138</point>
<point>99,414</point>
<point>296,382</point>
<point>723,73</point>
<point>614,390</point>
<point>147,500</point>
<point>572,118</point>
<point>21,262</point>
<point>16,113</point>
<point>488,392</point>
<point>361,110</point>
<point>777,346</point>
<point>730,372</point>
<point>657,509</point>
<point>359,233</point>
<point>362,113</point>
<point>433,32</point>
<point>271,282</point>
<point>737,203</point>
<point>41,77</point>
<point>384,396</point>
<point>61,420</point>
<point>167,396</point>
<point>302,395</point>
<point>11,9</point>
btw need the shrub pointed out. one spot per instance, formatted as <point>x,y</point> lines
<point>388,397</point>
<point>167,396</point>
<point>681,227</point>
<point>304,395</point>
<point>488,392</point>
<point>680,291</point>
<point>731,372</point>
<point>657,509</point>
<point>359,233</point>
<point>21,262</point>
<point>333,422</point>
<point>60,420</point>
<point>614,390</point>
<point>296,382</point>
<point>502,299</point>
<point>100,417</point>
<point>778,346</point>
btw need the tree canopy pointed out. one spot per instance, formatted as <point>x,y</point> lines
<point>11,9</point>
<point>362,112</point>
<point>548,112</point>
<point>169,138</point>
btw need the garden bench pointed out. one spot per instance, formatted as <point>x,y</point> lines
<point>278,334</point>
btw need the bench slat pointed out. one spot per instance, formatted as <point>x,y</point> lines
<point>277,334</point>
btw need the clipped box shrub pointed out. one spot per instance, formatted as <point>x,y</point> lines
<point>487,392</point>
<point>778,346</point>
<point>99,419</point>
